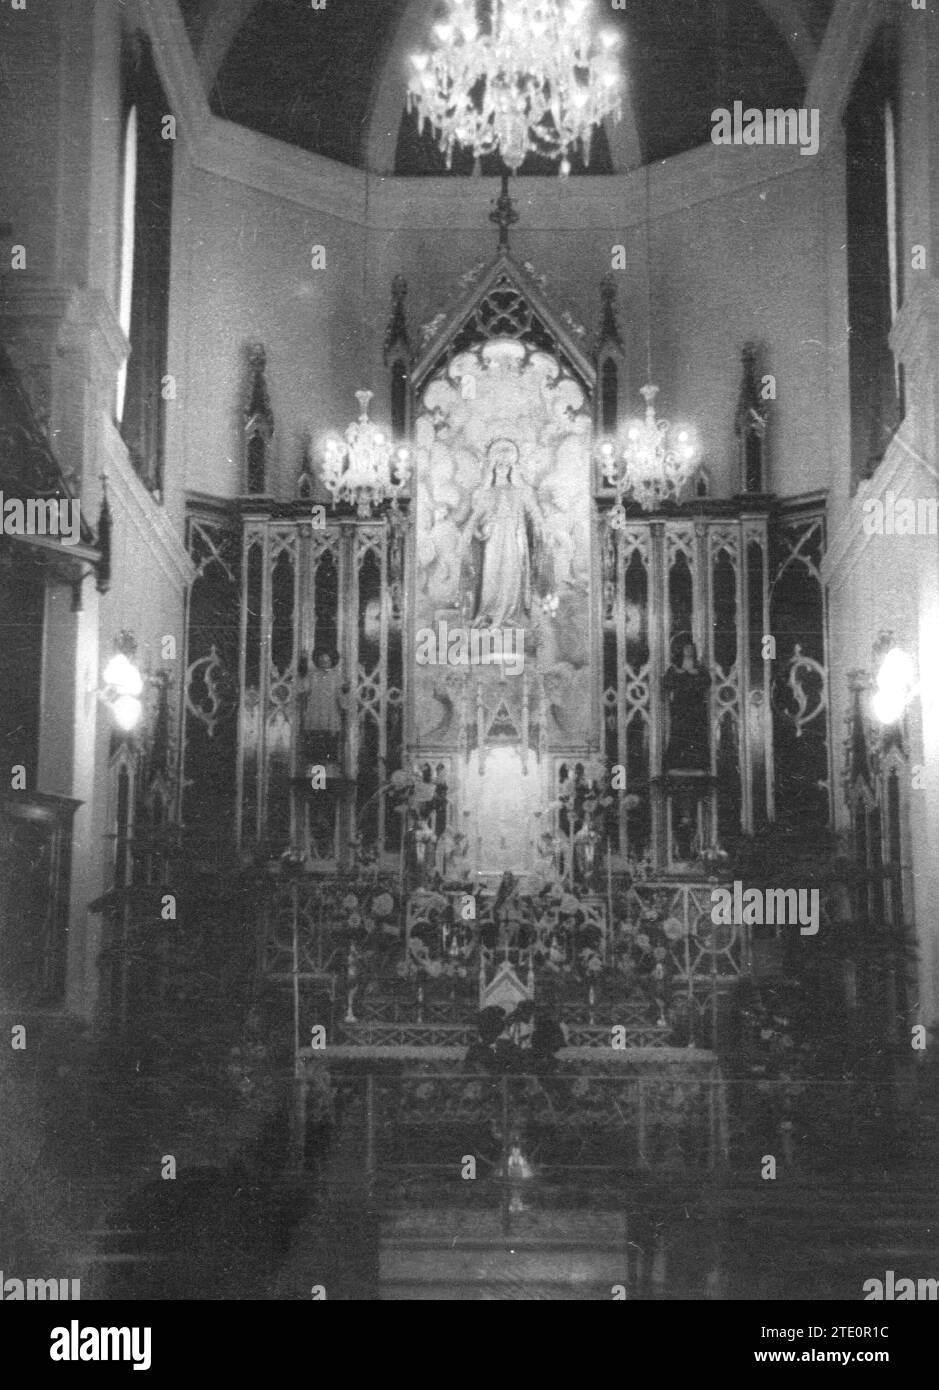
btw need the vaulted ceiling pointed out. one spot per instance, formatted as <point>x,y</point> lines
<point>333,80</point>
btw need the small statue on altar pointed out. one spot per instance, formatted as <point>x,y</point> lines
<point>586,851</point>
<point>517,1171</point>
<point>505,903</point>
<point>352,981</point>
<point>323,696</point>
<point>422,849</point>
<point>557,950</point>
<point>444,853</point>
<point>547,851</point>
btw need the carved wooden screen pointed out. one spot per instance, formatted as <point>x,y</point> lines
<point>800,689</point>
<point>270,609</point>
<point>210,707</point>
<point>665,582</point>
<point>335,588</point>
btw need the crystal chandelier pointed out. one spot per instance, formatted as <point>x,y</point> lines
<point>529,79</point>
<point>653,462</point>
<point>365,467</point>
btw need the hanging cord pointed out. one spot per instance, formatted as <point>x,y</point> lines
<point>648,255</point>
<point>365,245</point>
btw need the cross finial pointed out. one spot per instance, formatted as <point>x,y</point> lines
<point>504,214</point>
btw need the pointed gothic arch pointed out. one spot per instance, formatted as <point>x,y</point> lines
<point>505,301</point>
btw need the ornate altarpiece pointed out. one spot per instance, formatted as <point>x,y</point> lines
<point>601,604</point>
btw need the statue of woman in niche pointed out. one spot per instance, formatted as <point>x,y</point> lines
<point>323,697</point>
<point>505,537</point>
<point>687,683</point>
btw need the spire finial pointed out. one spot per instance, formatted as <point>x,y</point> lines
<point>609,334</point>
<point>504,214</point>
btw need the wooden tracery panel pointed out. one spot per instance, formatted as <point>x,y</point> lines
<point>666,582</point>
<point>334,589</point>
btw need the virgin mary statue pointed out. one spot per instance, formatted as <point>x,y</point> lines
<point>505,536</point>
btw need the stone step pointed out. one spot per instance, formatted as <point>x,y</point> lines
<point>440,1264</point>
<point>482,1292</point>
<point>450,1255</point>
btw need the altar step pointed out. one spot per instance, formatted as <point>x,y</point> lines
<point>442,1256</point>
<point>792,1240</point>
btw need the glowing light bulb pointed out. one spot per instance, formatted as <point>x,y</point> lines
<point>123,675</point>
<point>896,669</point>
<point>887,706</point>
<point>127,712</point>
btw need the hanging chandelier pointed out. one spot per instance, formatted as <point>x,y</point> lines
<point>528,79</point>
<point>653,462</point>
<point>365,467</point>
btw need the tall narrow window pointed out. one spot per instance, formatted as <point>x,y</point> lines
<point>145,264</point>
<point>125,289</point>
<point>874,287</point>
<point>893,235</point>
<point>890,180</point>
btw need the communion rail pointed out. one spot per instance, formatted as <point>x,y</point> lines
<point>424,1135</point>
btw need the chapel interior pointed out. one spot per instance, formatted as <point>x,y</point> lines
<point>382,741</point>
